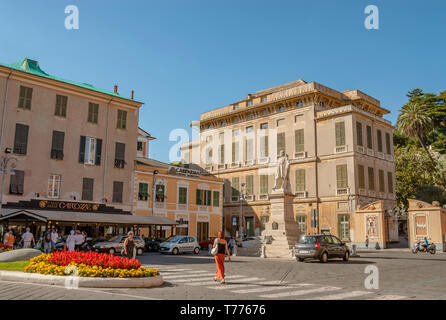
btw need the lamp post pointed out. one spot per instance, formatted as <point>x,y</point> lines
<point>155,172</point>
<point>242,198</point>
<point>6,161</point>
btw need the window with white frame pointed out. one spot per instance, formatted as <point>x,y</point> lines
<point>53,186</point>
<point>90,150</point>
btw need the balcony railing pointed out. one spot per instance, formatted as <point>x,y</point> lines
<point>370,152</point>
<point>340,149</point>
<point>263,197</point>
<point>342,191</point>
<point>360,149</point>
<point>301,194</point>
<point>300,155</point>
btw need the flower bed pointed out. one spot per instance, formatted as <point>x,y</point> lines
<point>88,264</point>
<point>4,248</point>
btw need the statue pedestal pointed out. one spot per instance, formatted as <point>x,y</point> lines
<point>282,226</point>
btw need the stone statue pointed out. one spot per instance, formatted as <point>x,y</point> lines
<point>282,176</point>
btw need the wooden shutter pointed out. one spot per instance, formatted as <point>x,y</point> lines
<point>235,186</point>
<point>359,134</point>
<point>264,184</point>
<point>380,141</point>
<point>57,145</point>
<point>300,180</point>
<point>117,191</point>
<point>222,154</point>
<point>340,133</point>
<point>122,119</point>
<point>21,138</point>
<point>16,184</point>
<point>390,182</point>
<point>371,179</point>
<point>208,197</point>
<point>369,137</point>
<point>264,146</point>
<point>341,176</point>
<point>299,140</point>
<point>388,151</point>
<point>249,185</point>
<point>97,160</point>
<point>82,149</point>
<point>361,177</point>
<point>216,199</point>
<point>87,189</point>
<point>381,180</point>
<point>198,196</point>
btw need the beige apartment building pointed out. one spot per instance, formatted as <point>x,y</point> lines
<point>339,145</point>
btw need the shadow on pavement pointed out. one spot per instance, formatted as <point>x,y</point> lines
<point>341,262</point>
<point>406,258</point>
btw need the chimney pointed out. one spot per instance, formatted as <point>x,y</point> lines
<point>115,90</point>
<point>133,92</point>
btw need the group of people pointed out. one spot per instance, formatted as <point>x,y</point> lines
<point>27,239</point>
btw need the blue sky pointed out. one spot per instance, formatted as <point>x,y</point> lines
<point>186,57</point>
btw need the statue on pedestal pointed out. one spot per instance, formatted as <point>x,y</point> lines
<point>282,176</point>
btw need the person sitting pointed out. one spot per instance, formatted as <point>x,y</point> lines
<point>425,244</point>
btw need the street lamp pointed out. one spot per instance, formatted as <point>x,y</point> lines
<point>6,161</point>
<point>242,198</point>
<point>155,172</point>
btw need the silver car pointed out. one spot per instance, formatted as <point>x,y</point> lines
<point>180,244</point>
<point>116,245</point>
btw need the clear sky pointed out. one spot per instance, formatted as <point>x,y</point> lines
<point>185,57</point>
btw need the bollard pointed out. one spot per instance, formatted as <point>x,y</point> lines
<point>262,255</point>
<point>234,250</point>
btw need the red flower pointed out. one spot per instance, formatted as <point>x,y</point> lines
<point>64,258</point>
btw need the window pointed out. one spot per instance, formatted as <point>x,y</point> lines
<point>122,119</point>
<point>249,129</point>
<point>222,154</point>
<point>235,146</point>
<point>381,180</point>
<point>119,155</point>
<point>302,223</point>
<point>264,146</point>
<point>93,110</point>
<point>263,184</point>
<point>61,106</point>
<point>53,186</point>
<point>299,104</point>
<point>340,133</point>
<point>390,182</point>
<point>388,145</point>
<point>235,107</point>
<point>25,97</point>
<point>57,145</point>
<point>21,138</point>
<point>264,126</point>
<point>263,221</point>
<point>263,99</point>
<point>280,142</point>
<point>118,186</point>
<point>344,226</point>
<point>299,140</point>
<point>235,132</point>
<point>371,179</point>
<point>281,108</point>
<point>223,124</point>
<point>341,176</point>
<point>359,133</point>
<point>300,180</point>
<point>380,141</point>
<point>87,189</point>
<point>249,185</point>
<point>369,137</point>
<point>143,191</point>
<point>249,103</point>
<point>203,197</point>
<point>16,184</point>
<point>139,146</point>
<point>361,177</point>
<point>235,184</point>
<point>216,198</point>
<point>182,195</point>
<point>90,150</point>
<point>209,156</point>
<point>249,149</point>
<point>159,193</point>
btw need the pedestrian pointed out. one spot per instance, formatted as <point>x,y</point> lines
<point>367,242</point>
<point>222,248</point>
<point>79,239</point>
<point>47,241</point>
<point>129,245</point>
<point>71,241</point>
<point>5,238</point>
<point>28,239</point>
<point>231,245</point>
<point>54,239</point>
<point>11,240</point>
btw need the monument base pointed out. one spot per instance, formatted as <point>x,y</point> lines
<point>282,227</point>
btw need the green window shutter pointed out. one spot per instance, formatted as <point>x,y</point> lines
<point>182,195</point>
<point>280,142</point>
<point>371,179</point>
<point>388,151</point>
<point>341,176</point>
<point>381,180</point>
<point>361,177</point>
<point>300,180</point>
<point>340,133</point>
<point>299,140</point>
<point>249,185</point>
<point>380,141</point>
<point>235,186</point>
<point>264,146</point>
<point>216,198</point>
<point>222,154</point>
<point>390,182</point>
<point>359,133</point>
<point>369,137</point>
<point>208,197</point>
<point>263,184</point>
<point>198,198</point>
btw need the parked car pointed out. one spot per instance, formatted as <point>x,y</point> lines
<point>205,244</point>
<point>116,245</point>
<point>321,247</point>
<point>180,244</point>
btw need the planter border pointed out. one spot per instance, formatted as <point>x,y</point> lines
<point>86,282</point>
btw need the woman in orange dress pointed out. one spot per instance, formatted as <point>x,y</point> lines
<point>222,249</point>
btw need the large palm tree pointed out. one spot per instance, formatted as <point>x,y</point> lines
<point>414,121</point>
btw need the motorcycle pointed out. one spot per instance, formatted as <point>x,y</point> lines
<point>152,245</point>
<point>418,246</point>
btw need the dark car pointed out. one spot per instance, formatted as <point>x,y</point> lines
<point>321,247</point>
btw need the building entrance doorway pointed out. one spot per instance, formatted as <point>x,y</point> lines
<point>202,231</point>
<point>249,223</point>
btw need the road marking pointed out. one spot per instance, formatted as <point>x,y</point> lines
<point>208,283</point>
<point>299,293</point>
<point>388,297</point>
<point>341,296</point>
<point>271,288</point>
<point>202,279</point>
<point>176,273</point>
<point>232,286</point>
<point>168,277</point>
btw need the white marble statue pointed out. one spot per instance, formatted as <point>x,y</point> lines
<point>282,176</point>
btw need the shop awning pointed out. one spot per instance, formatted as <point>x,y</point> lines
<point>83,217</point>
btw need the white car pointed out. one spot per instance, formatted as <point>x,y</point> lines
<point>180,244</point>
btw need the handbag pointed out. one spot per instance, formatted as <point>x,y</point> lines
<point>214,249</point>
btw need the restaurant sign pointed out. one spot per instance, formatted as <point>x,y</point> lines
<point>67,205</point>
<point>184,171</point>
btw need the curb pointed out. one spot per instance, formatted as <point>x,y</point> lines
<point>82,281</point>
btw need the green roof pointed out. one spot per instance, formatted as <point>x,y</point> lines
<point>32,66</point>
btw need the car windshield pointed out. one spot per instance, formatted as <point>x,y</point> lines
<point>307,240</point>
<point>173,239</point>
<point>113,239</point>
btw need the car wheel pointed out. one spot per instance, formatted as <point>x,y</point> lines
<point>175,251</point>
<point>197,250</point>
<point>300,259</point>
<point>324,257</point>
<point>346,256</point>
<point>139,252</point>
<point>111,251</point>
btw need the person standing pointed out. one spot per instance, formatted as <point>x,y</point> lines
<point>71,241</point>
<point>47,241</point>
<point>11,240</point>
<point>231,245</point>
<point>222,248</point>
<point>367,242</point>
<point>129,245</point>
<point>54,239</point>
<point>5,238</point>
<point>28,239</point>
<point>79,239</point>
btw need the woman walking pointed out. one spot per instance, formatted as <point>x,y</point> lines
<point>222,248</point>
<point>129,245</point>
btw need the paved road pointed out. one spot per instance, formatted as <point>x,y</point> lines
<point>402,275</point>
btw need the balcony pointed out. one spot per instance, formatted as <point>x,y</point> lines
<point>181,206</point>
<point>249,197</point>
<point>300,155</point>
<point>360,149</point>
<point>208,167</point>
<point>222,166</point>
<point>372,193</point>
<point>264,160</point>
<point>380,155</point>
<point>235,164</point>
<point>363,192</point>
<point>263,197</point>
<point>370,152</point>
<point>119,163</point>
<point>250,162</point>
<point>340,149</point>
<point>389,157</point>
<point>301,194</point>
<point>342,191</point>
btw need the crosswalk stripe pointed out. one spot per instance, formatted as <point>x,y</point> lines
<point>299,292</point>
<point>173,273</point>
<point>230,286</point>
<point>188,276</point>
<point>271,288</point>
<point>208,283</point>
<point>203,279</point>
<point>341,296</point>
<point>388,297</point>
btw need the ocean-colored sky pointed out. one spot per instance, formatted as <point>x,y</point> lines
<point>185,57</point>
